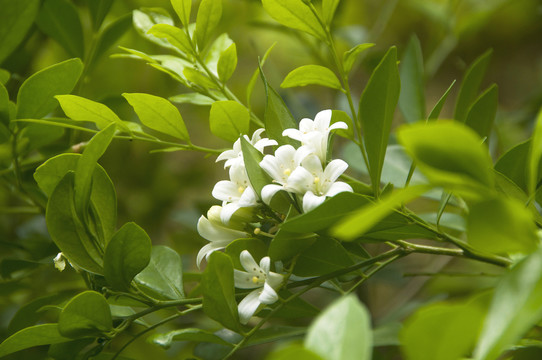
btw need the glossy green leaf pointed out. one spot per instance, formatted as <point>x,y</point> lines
<point>535,156</point>
<point>470,85</point>
<point>294,14</point>
<point>175,36</point>
<point>227,63</point>
<point>342,331</point>
<point>145,18</point>
<point>412,97</point>
<point>501,225</point>
<point>86,164</point>
<point>448,153</point>
<point>199,78</point>
<point>189,334</point>
<point>44,334</point>
<point>364,219</point>
<point>60,20</point>
<point>110,35</point>
<point>163,277</point>
<point>277,116</point>
<point>311,75</point>
<point>218,291</point>
<point>256,247</point>
<point>377,106</point>
<point>287,244</point>
<point>16,18</point>
<point>36,95</point>
<point>481,114</point>
<point>218,47</point>
<point>192,98</point>
<point>126,255</point>
<point>328,10</point>
<point>514,309</point>
<point>98,11</point>
<point>435,112</point>
<point>183,9</point>
<point>229,119</point>
<point>425,338</point>
<point>67,230</point>
<point>252,158</point>
<point>87,314</point>
<point>158,114</point>
<point>207,19</point>
<point>324,256</point>
<point>81,109</point>
<point>350,56</point>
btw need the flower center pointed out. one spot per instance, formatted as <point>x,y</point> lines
<point>287,172</point>
<point>241,189</point>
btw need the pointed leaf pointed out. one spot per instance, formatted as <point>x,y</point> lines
<point>182,8</point>
<point>175,36</point>
<point>311,75</point>
<point>60,20</point>
<point>158,114</point>
<point>144,20</point>
<point>324,256</point>
<point>87,314</point>
<point>412,97</point>
<point>196,335</point>
<point>37,335</point>
<point>252,82</point>
<point>98,11</point>
<point>36,95</point>
<point>377,106</point>
<point>192,98</point>
<point>227,63</point>
<point>435,112</point>
<point>229,119</point>
<point>350,56</point>
<point>470,85</point>
<point>16,18</point>
<point>126,255</point>
<point>207,19</point>
<point>481,115</point>
<point>252,158</point>
<point>342,331</point>
<point>163,277</point>
<point>111,34</point>
<point>328,10</point>
<point>294,14</point>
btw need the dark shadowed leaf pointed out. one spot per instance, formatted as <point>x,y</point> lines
<point>481,115</point>
<point>44,334</point>
<point>412,97</point>
<point>16,18</point>
<point>87,314</point>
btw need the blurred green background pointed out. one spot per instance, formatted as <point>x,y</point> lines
<point>165,193</point>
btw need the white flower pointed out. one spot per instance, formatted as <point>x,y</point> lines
<point>260,278</point>
<point>60,263</point>
<point>279,167</point>
<point>315,183</point>
<point>235,155</point>
<point>314,134</point>
<point>216,232</point>
<point>235,193</point>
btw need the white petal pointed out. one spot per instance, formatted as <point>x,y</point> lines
<point>268,295</point>
<point>269,191</point>
<point>338,125</point>
<point>301,153</point>
<point>248,306</point>
<point>271,166</point>
<point>292,134</point>
<point>263,143</point>
<point>227,212</point>
<point>248,198</point>
<point>216,233</point>
<point>322,120</point>
<point>300,181</point>
<point>265,264</point>
<point>274,280</point>
<point>306,125</point>
<point>209,248</point>
<point>335,169</point>
<point>228,154</point>
<point>311,201</point>
<point>235,161</point>
<point>238,175</point>
<point>339,187</point>
<point>313,165</point>
<point>248,263</point>
<point>243,280</point>
<point>226,191</point>
<point>256,136</point>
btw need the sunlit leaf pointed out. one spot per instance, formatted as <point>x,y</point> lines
<point>227,63</point>
<point>144,19</point>
<point>175,36</point>
<point>294,14</point>
<point>182,8</point>
<point>207,19</point>
<point>311,75</point>
<point>81,109</point>
<point>229,119</point>
<point>163,277</point>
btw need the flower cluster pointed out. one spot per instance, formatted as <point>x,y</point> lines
<point>303,172</point>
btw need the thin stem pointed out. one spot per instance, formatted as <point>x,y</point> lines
<point>379,266</point>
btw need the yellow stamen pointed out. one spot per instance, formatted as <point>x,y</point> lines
<point>240,189</point>
<point>316,179</point>
<point>287,172</point>
<point>255,279</point>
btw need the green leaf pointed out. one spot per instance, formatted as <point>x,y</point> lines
<point>16,18</point>
<point>182,8</point>
<point>98,11</point>
<point>192,98</point>
<point>158,114</point>
<point>175,36</point>
<point>328,10</point>
<point>229,119</point>
<point>188,334</point>
<point>470,85</point>
<point>218,291</point>
<point>435,112</point>
<point>60,20</point>
<point>350,56</point>
<point>44,334</point>
<point>198,78</point>
<point>87,314</point>
<point>36,95</point>
<point>448,153</point>
<point>36,136</point>
<point>294,14</point>
<point>227,63</point>
<point>514,309</point>
<point>293,351</point>
<point>252,158</point>
<point>67,231</point>
<point>277,116</point>
<point>145,18</point>
<point>412,97</point>
<point>110,35</point>
<point>85,168</point>
<point>342,331</point>
<point>254,77</point>
<point>4,76</point>
<point>311,75</point>
<point>163,277</point>
<point>481,114</point>
<point>364,219</point>
<point>425,338</point>
<point>377,105</point>
<point>535,156</point>
<point>81,109</point>
<point>126,255</point>
<point>256,247</point>
<point>324,256</point>
<point>216,50</point>
<point>4,106</point>
<point>207,19</point>
<point>501,225</point>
